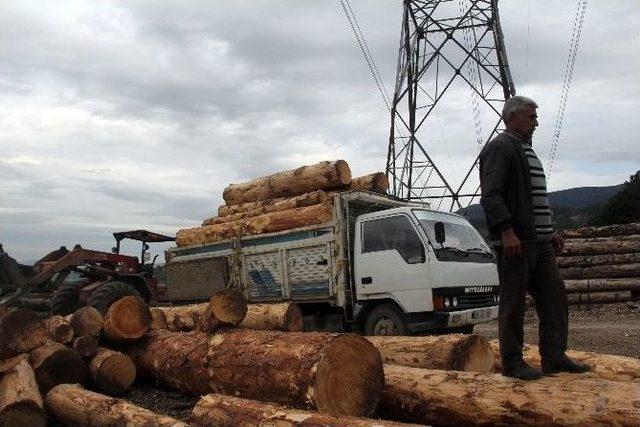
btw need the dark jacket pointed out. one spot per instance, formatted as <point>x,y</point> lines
<point>506,188</point>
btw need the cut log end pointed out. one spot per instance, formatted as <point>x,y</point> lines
<point>59,329</point>
<point>112,372</point>
<point>21,330</point>
<point>86,321</point>
<point>343,171</point>
<point>86,346</point>
<point>158,319</point>
<point>475,355</point>
<point>349,378</point>
<point>54,364</point>
<point>293,319</point>
<point>127,320</point>
<point>229,306</point>
<point>23,414</point>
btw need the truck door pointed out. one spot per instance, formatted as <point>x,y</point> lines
<point>390,260</point>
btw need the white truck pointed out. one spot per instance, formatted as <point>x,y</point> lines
<point>382,266</point>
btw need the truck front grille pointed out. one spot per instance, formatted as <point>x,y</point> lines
<point>475,300</point>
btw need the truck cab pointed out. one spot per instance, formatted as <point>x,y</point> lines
<point>417,269</point>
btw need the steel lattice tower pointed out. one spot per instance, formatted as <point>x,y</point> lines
<point>444,42</point>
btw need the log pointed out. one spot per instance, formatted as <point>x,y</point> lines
<point>158,318</point>
<point>604,248</point>
<point>605,366</point>
<point>453,398</point>
<point>228,411</point>
<point>601,271</point>
<point>20,399</point>
<point>609,230</point>
<point>59,329</point>
<point>55,363</point>
<point>602,239</point>
<point>188,317</point>
<point>73,405</point>
<point>267,223</point>
<point>376,182</point>
<point>35,304</point>
<point>602,285</point>
<point>86,321</point>
<point>590,260</point>
<point>86,346</point>
<point>127,320</point>
<point>8,364</point>
<point>277,317</point>
<point>456,352</point>
<point>112,372</point>
<point>246,210</point>
<point>21,330</point>
<point>599,297</point>
<point>229,306</point>
<point>322,176</point>
<point>335,373</point>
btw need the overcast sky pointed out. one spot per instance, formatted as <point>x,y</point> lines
<point>137,114</point>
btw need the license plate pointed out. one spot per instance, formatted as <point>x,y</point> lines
<point>481,314</point>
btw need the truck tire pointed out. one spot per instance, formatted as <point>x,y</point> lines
<point>66,299</point>
<point>385,319</point>
<point>110,292</point>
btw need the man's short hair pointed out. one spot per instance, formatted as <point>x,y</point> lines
<point>515,104</point>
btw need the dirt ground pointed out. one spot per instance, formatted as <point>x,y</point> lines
<point>609,328</point>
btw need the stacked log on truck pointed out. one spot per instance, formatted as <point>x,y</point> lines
<point>601,264</point>
<point>282,201</point>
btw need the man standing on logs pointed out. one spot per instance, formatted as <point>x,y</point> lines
<point>516,205</point>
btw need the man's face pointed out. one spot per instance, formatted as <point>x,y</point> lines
<point>523,122</point>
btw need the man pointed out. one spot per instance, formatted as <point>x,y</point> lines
<point>515,202</point>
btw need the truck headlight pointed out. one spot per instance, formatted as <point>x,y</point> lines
<point>447,302</point>
<point>454,301</point>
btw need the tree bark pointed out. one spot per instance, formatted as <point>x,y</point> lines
<point>59,329</point>
<point>467,398</point>
<point>591,260</point>
<point>339,374</point>
<point>246,210</point>
<point>322,176</point>
<point>86,321</point>
<point>599,297</point>
<point>602,239</point>
<point>601,271</point>
<point>73,405</point>
<point>54,364</point>
<point>20,399</point>
<point>183,317</point>
<point>21,330</point>
<point>605,366</point>
<point>609,230</point>
<point>127,320</point>
<point>158,318</point>
<point>8,364</point>
<point>228,411</point>
<point>376,182</point>
<point>112,372</point>
<point>86,346</point>
<point>267,223</point>
<point>456,352</point>
<point>602,285</point>
<point>603,248</point>
<point>284,316</point>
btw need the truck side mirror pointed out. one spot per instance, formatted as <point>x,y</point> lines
<point>438,227</point>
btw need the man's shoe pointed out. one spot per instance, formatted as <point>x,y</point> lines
<point>523,372</point>
<point>564,364</point>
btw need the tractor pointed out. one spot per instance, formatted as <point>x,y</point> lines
<point>85,277</point>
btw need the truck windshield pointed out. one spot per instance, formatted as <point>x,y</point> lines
<point>459,234</point>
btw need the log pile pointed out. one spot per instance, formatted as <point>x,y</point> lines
<point>282,201</point>
<point>601,264</point>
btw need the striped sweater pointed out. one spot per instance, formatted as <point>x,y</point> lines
<point>541,208</point>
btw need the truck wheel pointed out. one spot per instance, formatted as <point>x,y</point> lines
<point>385,319</point>
<point>105,295</point>
<point>466,329</point>
<point>66,299</point>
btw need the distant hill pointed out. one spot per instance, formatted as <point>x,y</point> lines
<point>571,208</point>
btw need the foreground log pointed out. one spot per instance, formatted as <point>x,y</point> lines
<point>127,320</point>
<point>21,330</point>
<point>54,364</point>
<point>602,285</point>
<point>589,260</point>
<point>8,364</point>
<point>20,399</point>
<point>605,366</point>
<point>267,223</point>
<point>86,321</point>
<point>601,271</point>
<point>276,317</point>
<point>456,352</point>
<point>376,182</point>
<point>339,374</point>
<point>467,398</point>
<point>59,329</point>
<point>112,371</point>
<point>599,297</point>
<point>228,411</point>
<point>609,230</point>
<point>73,405</point>
<point>86,346</point>
<point>604,248</point>
<point>322,176</point>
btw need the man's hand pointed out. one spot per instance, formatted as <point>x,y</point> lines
<point>511,243</point>
<point>557,242</point>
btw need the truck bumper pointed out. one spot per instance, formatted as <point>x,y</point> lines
<point>454,319</point>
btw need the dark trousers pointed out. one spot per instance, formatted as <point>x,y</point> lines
<point>535,271</point>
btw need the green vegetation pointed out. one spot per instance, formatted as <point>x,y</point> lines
<point>623,207</point>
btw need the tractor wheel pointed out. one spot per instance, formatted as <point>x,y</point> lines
<point>108,293</point>
<point>66,299</point>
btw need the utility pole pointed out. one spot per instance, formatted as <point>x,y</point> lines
<point>444,42</point>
